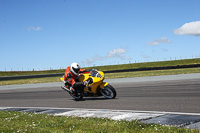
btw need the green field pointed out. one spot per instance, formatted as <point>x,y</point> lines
<point>29,122</point>
<point>149,64</point>
<point>110,75</point>
<point>110,67</point>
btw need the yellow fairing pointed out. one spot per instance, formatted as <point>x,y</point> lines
<point>103,84</point>
<point>62,79</point>
<point>97,82</point>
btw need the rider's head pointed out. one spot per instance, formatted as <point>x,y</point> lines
<point>75,68</point>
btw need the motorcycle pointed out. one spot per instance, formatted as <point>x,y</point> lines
<point>96,86</point>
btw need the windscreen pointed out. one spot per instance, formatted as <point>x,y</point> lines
<point>95,73</point>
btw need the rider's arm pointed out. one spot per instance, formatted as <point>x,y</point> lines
<point>68,80</point>
<point>84,71</point>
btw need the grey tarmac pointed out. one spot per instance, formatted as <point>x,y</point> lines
<point>171,93</point>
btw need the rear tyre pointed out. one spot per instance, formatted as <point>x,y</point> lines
<point>108,92</point>
<point>77,95</point>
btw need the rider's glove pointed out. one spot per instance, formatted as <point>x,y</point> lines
<point>85,83</point>
<point>66,83</point>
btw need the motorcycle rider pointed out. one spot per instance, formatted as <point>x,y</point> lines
<point>71,78</point>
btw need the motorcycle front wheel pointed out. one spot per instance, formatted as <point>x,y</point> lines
<point>108,92</point>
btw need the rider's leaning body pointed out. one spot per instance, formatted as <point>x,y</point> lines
<point>71,77</point>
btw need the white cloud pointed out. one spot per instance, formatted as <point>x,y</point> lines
<point>96,57</point>
<point>145,56</point>
<point>88,61</point>
<point>158,41</point>
<point>192,28</point>
<point>33,28</point>
<point>116,53</point>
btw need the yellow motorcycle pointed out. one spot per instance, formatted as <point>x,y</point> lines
<point>95,88</point>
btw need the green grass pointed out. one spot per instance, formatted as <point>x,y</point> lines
<point>149,64</point>
<point>30,122</point>
<point>108,76</point>
<point>110,67</point>
<point>153,73</point>
<point>19,73</point>
<point>30,81</point>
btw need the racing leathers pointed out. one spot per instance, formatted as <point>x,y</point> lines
<point>71,80</point>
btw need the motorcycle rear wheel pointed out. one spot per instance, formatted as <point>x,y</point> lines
<point>77,96</point>
<point>108,92</point>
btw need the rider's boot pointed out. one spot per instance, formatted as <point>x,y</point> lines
<point>66,89</point>
<point>72,90</point>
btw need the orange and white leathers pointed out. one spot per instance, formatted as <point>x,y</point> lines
<point>70,78</point>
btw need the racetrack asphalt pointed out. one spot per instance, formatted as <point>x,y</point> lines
<point>167,100</point>
<point>175,93</point>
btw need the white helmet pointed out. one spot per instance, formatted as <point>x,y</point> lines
<point>75,68</point>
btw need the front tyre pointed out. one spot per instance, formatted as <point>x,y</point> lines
<point>108,92</point>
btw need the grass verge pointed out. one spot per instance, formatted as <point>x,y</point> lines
<point>149,64</point>
<point>108,76</point>
<point>153,73</point>
<point>30,122</point>
<point>110,67</point>
<point>30,81</point>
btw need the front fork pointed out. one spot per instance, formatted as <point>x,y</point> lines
<point>103,84</point>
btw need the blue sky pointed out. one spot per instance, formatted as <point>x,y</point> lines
<point>44,34</point>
